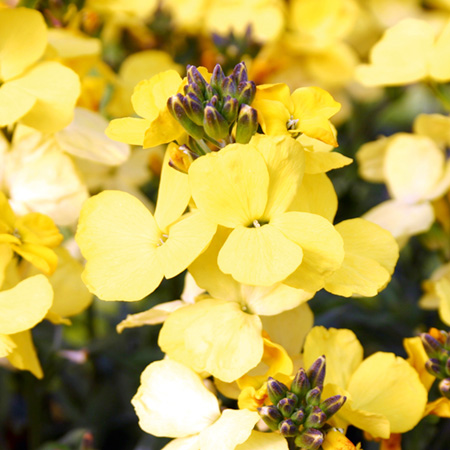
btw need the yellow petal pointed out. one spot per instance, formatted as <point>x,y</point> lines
<point>233,428</point>
<point>319,162</point>
<point>413,166</point>
<point>395,390</point>
<point>41,257</point>
<point>443,292</point>
<point>259,256</point>
<point>435,126</point>
<point>317,196</point>
<point>36,228</point>
<point>14,104</point>
<point>150,96</point>
<point>371,158</point>
<point>273,117</point>
<point>391,61</point>
<point>264,441</point>
<point>440,407</point>
<point>284,158</point>
<point>335,440</point>
<point>130,130</point>
<point>163,130</point>
<point>402,220</point>
<point>25,305</point>
<point>157,314</point>
<point>173,194</point>
<point>6,255</point>
<point>56,89</point>
<point>23,38</point>
<point>370,257</point>
<point>417,357</point>
<point>290,328</point>
<point>313,107</point>
<point>167,386</point>
<point>342,351</point>
<point>322,246</point>
<point>118,236</point>
<point>230,187</point>
<point>187,443</point>
<point>85,138</point>
<point>439,58</point>
<point>24,355</point>
<point>215,336</point>
<point>186,239</point>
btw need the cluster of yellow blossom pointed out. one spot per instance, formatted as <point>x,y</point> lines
<point>245,208</point>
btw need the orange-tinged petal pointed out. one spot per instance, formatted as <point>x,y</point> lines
<point>259,256</point>
<point>25,305</point>
<point>118,236</point>
<point>168,386</point>
<point>370,257</point>
<point>23,38</point>
<point>230,186</point>
<point>233,428</point>
<point>215,336</point>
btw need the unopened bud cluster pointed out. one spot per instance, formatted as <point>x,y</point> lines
<point>299,412</point>
<point>438,365</point>
<point>217,112</point>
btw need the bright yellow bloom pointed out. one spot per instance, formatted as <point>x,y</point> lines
<point>384,393</point>
<point>156,125</point>
<point>249,188</point>
<point>128,250</point>
<point>392,61</point>
<point>306,111</point>
<point>41,96</point>
<point>31,236</point>
<point>172,401</point>
<point>437,293</point>
<point>22,308</point>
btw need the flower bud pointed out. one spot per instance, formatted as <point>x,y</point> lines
<point>217,78</point>
<point>316,418</point>
<point>271,416</point>
<point>298,416</point>
<point>214,123</point>
<point>194,88</point>
<point>444,387</point>
<point>230,109</point>
<point>288,428</point>
<point>309,439</point>
<point>300,385</point>
<point>246,92</point>
<point>247,124</point>
<point>332,405</point>
<point>194,76</point>
<point>276,390</point>
<point>286,406</point>
<point>228,87</point>
<point>181,157</point>
<point>209,93</point>
<point>194,108</point>
<point>431,345</point>
<point>176,108</point>
<point>313,396</point>
<point>293,397</point>
<point>433,367</point>
<point>316,373</point>
<point>240,73</point>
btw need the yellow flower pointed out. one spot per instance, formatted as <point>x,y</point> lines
<point>249,188</point>
<point>22,308</point>
<point>156,125</point>
<point>415,170</point>
<point>392,62</point>
<point>31,236</point>
<point>384,393</point>
<point>172,401</point>
<point>41,96</point>
<point>306,111</point>
<point>128,250</point>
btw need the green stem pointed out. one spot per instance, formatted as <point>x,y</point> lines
<point>445,102</point>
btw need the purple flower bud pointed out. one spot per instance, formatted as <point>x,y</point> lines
<point>194,108</point>
<point>313,396</point>
<point>431,345</point>
<point>298,416</point>
<point>316,373</point>
<point>286,406</point>
<point>217,78</point>
<point>433,367</point>
<point>316,418</point>
<point>444,387</point>
<point>246,92</point>
<point>176,108</point>
<point>271,416</point>
<point>276,390</point>
<point>332,405</point>
<point>288,428</point>
<point>247,124</point>
<point>309,439</point>
<point>300,385</point>
<point>214,123</point>
<point>240,73</point>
